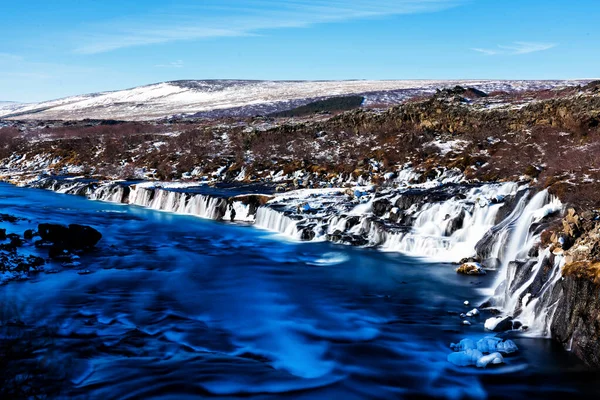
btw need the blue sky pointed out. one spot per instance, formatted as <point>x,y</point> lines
<point>52,49</point>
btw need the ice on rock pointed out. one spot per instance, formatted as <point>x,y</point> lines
<point>465,358</point>
<point>494,359</point>
<point>491,323</point>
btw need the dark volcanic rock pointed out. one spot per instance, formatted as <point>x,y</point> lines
<point>381,206</point>
<point>505,324</point>
<point>73,237</point>
<point>9,218</point>
<point>576,321</point>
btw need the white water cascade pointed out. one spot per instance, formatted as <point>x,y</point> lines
<point>447,230</point>
<point>156,198</point>
<point>523,289</point>
<point>269,219</point>
<point>434,234</point>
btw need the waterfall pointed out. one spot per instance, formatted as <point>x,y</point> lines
<point>463,223</point>
<point>111,193</point>
<point>449,230</point>
<point>269,219</point>
<point>524,286</point>
<point>161,199</point>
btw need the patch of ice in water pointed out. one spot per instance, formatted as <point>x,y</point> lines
<point>465,358</point>
<point>492,344</point>
<point>488,344</point>
<point>494,359</point>
<point>474,357</point>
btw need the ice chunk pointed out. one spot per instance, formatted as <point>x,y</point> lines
<point>465,358</point>
<point>465,322</point>
<point>463,345</point>
<point>507,347</point>
<point>494,359</point>
<point>488,344</point>
<point>475,357</point>
<point>466,303</point>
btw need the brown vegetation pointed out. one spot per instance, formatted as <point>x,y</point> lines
<point>589,270</point>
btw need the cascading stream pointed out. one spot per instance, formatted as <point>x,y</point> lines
<point>522,289</point>
<point>445,231</point>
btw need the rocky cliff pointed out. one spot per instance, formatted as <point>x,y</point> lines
<point>576,322</point>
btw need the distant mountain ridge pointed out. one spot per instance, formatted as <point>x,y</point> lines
<point>213,98</point>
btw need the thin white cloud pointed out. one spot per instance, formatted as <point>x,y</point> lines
<point>8,57</point>
<point>228,18</point>
<point>486,51</point>
<point>517,48</point>
<point>174,64</point>
<point>528,47</point>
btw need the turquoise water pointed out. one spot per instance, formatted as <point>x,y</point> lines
<point>179,307</point>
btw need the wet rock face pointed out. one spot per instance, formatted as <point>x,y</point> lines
<point>381,207</point>
<point>576,322</point>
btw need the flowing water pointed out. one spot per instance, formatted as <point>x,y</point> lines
<point>179,307</point>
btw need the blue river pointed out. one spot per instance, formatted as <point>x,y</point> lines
<point>176,307</point>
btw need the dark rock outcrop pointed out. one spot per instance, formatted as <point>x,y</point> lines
<point>576,321</point>
<point>72,237</point>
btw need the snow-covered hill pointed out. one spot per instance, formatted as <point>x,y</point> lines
<point>236,97</point>
<point>7,106</point>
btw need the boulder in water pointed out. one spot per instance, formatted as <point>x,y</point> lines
<point>471,268</point>
<point>72,237</point>
<point>499,324</point>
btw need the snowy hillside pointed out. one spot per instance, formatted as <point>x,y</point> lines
<point>240,98</point>
<point>8,106</point>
